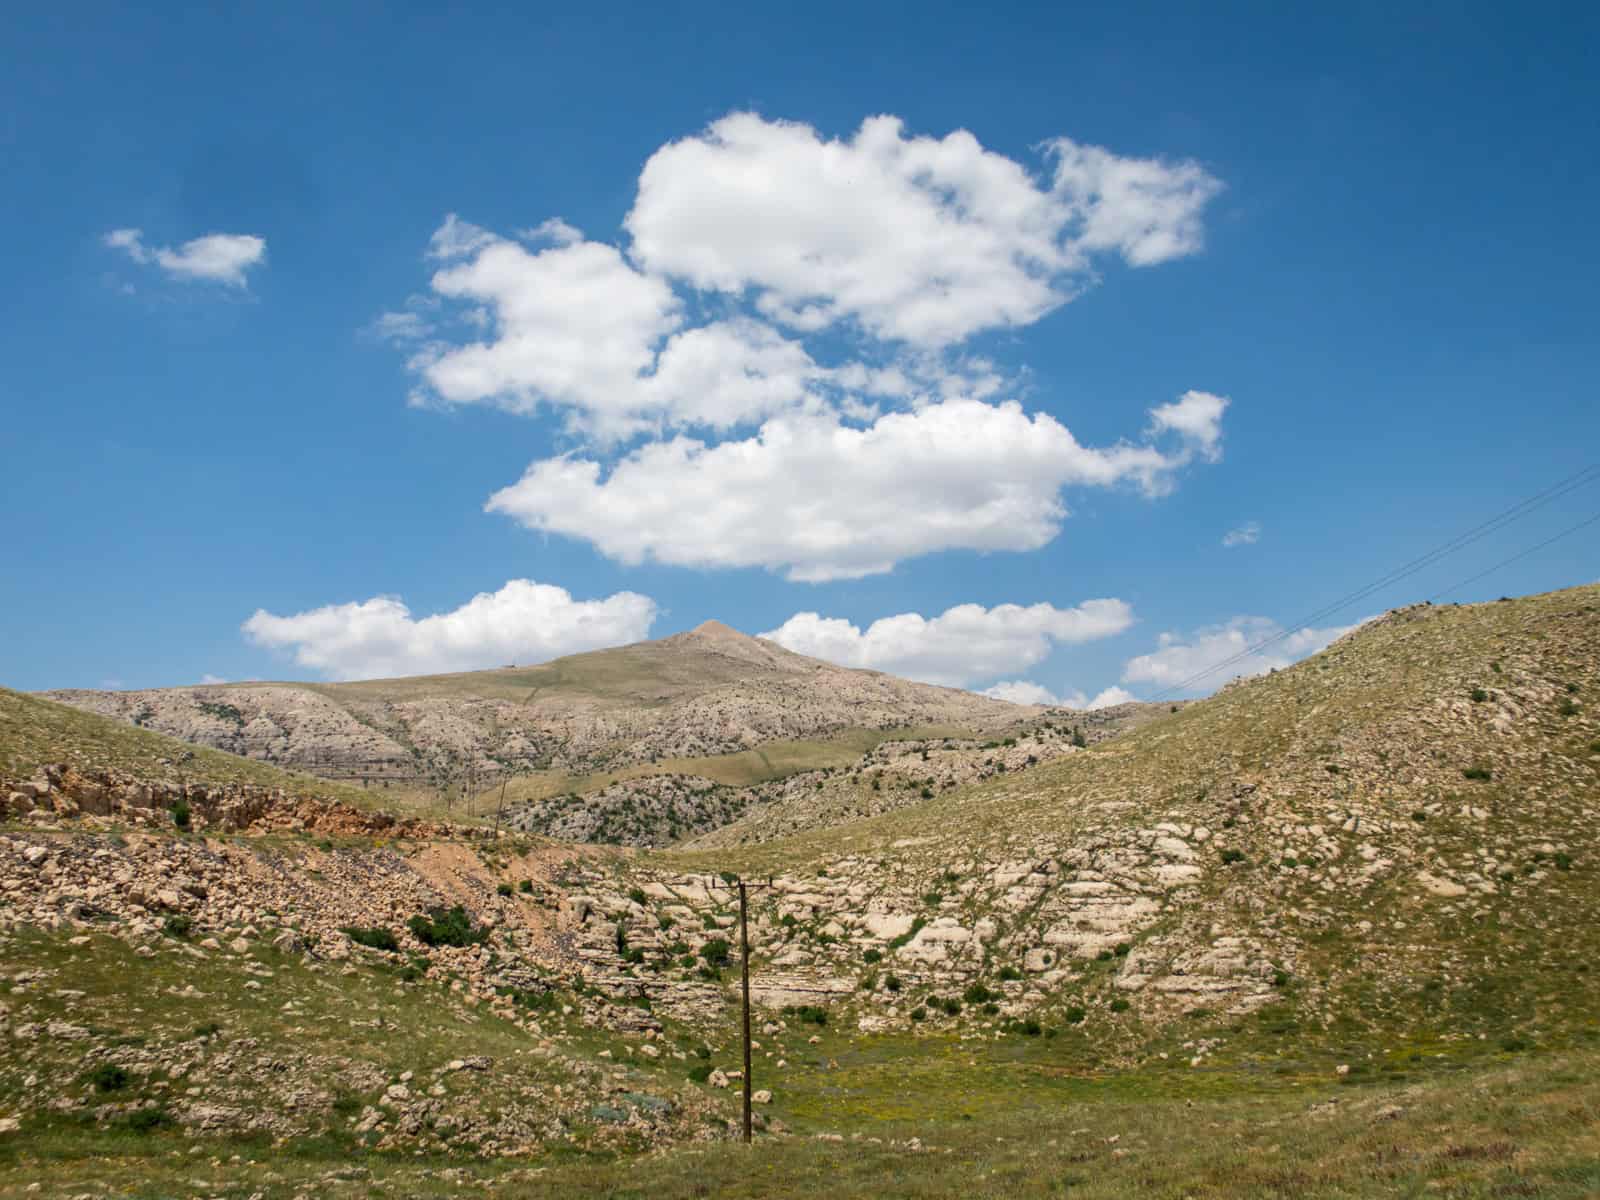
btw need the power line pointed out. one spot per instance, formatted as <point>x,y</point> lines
<point>1494,524</point>
<point>1515,557</point>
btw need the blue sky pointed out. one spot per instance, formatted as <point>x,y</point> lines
<point>797,364</point>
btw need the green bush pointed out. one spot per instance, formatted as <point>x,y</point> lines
<point>148,1120</point>
<point>871,954</point>
<point>1010,974</point>
<point>376,938</point>
<point>1479,695</point>
<point>178,925</point>
<point>919,1014</point>
<point>892,983</point>
<point>809,1014</point>
<point>932,899</point>
<point>1075,1015</point>
<point>180,814</point>
<point>1567,708</point>
<point>700,1072</point>
<point>904,938</point>
<point>1103,956</point>
<point>447,927</point>
<point>976,993</point>
<point>1119,1005</point>
<point>1030,1028</point>
<point>526,887</point>
<point>715,952</point>
<point>1121,949</point>
<point>638,897</point>
<point>208,1030</point>
<point>504,889</point>
<point>1231,856</point>
<point>108,1078</point>
<point>1478,773</point>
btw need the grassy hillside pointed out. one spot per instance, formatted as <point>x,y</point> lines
<point>34,732</point>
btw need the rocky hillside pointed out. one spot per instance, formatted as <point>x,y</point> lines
<point>1371,866</point>
<point>1392,839</point>
<point>711,691</point>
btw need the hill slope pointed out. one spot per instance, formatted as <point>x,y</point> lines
<point>711,691</point>
<point>1391,839</point>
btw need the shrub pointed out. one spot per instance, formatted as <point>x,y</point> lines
<point>677,949</point>
<point>1103,956</point>
<point>1595,747</point>
<point>976,993</point>
<point>932,898</point>
<point>1562,860</point>
<point>919,1014</point>
<point>1119,1005</point>
<point>447,927</point>
<point>525,887</point>
<point>1010,974</point>
<point>788,921</point>
<point>1567,709</point>
<point>148,1120</point>
<point>1479,773</point>
<point>1075,1016</point>
<point>1231,856</point>
<point>376,938</point>
<point>810,1014</point>
<point>926,793</point>
<point>665,923</point>
<point>1419,816</point>
<point>700,1072</point>
<point>208,1030</point>
<point>715,952</point>
<point>1030,1028</point>
<point>180,814</point>
<point>1479,695</point>
<point>505,889</point>
<point>1280,979</point>
<point>892,983</point>
<point>904,938</point>
<point>951,1006</point>
<point>638,897</point>
<point>178,925</point>
<point>108,1078</point>
<point>991,1008</point>
<point>1121,949</point>
<point>871,954</point>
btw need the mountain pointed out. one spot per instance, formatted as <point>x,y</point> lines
<point>711,691</point>
<point>1331,931</point>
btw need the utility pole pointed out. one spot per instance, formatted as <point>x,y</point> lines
<point>744,940</point>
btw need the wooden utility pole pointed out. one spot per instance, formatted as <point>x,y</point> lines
<point>500,805</point>
<point>744,941</point>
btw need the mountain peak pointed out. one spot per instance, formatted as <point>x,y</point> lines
<point>717,629</point>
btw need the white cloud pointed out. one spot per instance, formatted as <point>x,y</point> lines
<point>575,327</point>
<point>1022,691</point>
<point>1025,691</point>
<point>212,679</point>
<point>917,239</point>
<point>920,242</point>
<point>217,257</point>
<point>962,644</point>
<point>1247,534</point>
<point>822,500</point>
<point>1196,417</point>
<point>400,327</point>
<point>1180,657</point>
<point>458,239</point>
<point>522,622</point>
<point>553,230</point>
